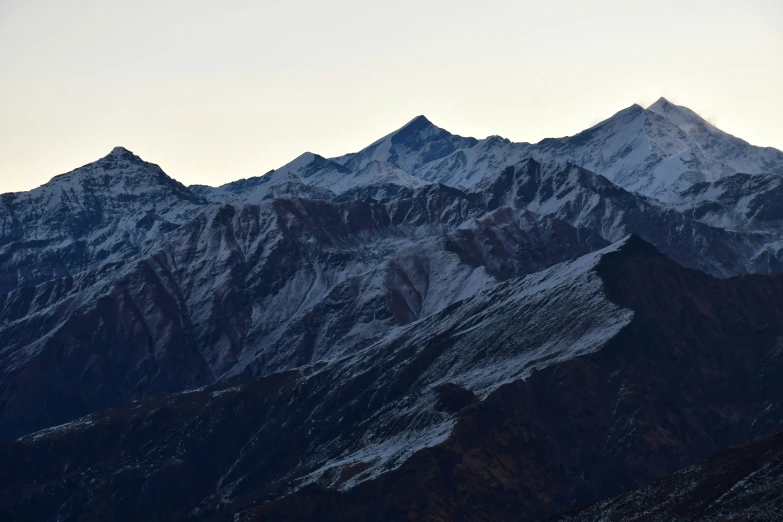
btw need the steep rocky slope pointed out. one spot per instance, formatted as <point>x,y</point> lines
<point>738,202</point>
<point>435,155</point>
<point>269,287</point>
<point>659,150</point>
<point>536,396</point>
<point>310,176</point>
<point>399,333</point>
<point>337,423</point>
<point>261,288</point>
<point>699,367</point>
<point>590,201</point>
<point>100,213</point>
<point>740,483</point>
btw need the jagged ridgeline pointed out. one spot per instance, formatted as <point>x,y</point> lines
<point>435,327</point>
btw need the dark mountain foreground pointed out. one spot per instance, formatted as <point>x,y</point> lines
<point>542,394</point>
<point>740,483</point>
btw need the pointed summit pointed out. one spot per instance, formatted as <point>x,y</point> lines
<point>419,121</point>
<point>662,106</point>
<point>121,153</point>
<point>419,124</point>
<point>684,118</point>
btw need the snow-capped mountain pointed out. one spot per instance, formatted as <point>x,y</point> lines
<point>737,202</point>
<point>435,155</point>
<point>299,177</point>
<point>356,416</point>
<point>100,213</point>
<point>434,327</point>
<point>290,281</point>
<point>310,176</point>
<point>541,394</point>
<point>589,201</point>
<point>261,288</point>
<point>659,150</point>
<point>258,189</point>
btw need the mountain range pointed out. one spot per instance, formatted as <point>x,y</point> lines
<point>432,328</point>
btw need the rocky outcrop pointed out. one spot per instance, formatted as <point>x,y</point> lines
<point>592,378</point>
<point>587,200</point>
<point>697,368</point>
<point>101,213</point>
<point>741,483</point>
<point>337,423</point>
<point>365,338</point>
<point>259,288</point>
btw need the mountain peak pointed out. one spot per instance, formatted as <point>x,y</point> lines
<point>632,111</point>
<point>419,121</point>
<point>121,153</point>
<point>416,125</point>
<point>663,106</point>
<point>686,119</point>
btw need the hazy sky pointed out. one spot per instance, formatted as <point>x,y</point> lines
<point>218,90</point>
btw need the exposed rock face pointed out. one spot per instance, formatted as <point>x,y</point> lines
<point>660,150</point>
<point>590,201</point>
<point>739,202</point>
<point>664,392</point>
<point>336,423</point>
<point>103,212</point>
<point>740,483</point>
<point>261,288</point>
<point>648,379</point>
<point>270,287</point>
<point>433,328</point>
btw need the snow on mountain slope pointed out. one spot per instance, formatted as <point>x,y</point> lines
<point>377,172</point>
<point>595,376</point>
<point>670,387</point>
<point>659,150</point>
<point>362,287</point>
<point>497,336</point>
<point>291,281</point>
<point>100,213</point>
<point>726,153</point>
<point>343,422</point>
<point>736,202</point>
<point>435,155</point>
<point>265,288</point>
<point>299,178</point>
<point>308,176</point>
<point>590,201</point>
<point>255,190</point>
<point>656,151</point>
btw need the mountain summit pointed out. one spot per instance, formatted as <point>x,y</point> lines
<point>96,214</point>
<point>656,151</point>
<point>434,327</point>
<point>660,150</point>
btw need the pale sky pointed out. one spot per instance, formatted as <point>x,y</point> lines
<point>215,91</point>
